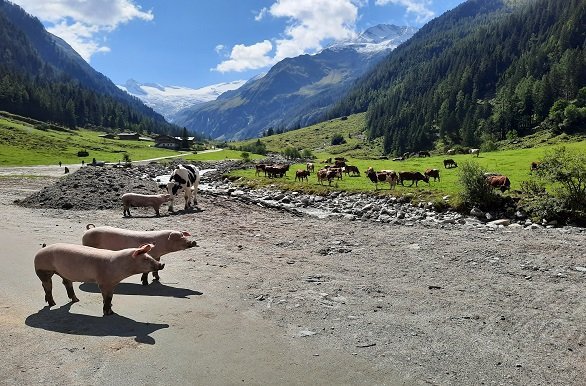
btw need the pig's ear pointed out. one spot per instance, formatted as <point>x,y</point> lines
<point>142,249</point>
<point>175,236</point>
<point>185,233</point>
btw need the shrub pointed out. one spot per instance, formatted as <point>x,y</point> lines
<point>567,170</point>
<point>126,159</point>
<point>338,139</point>
<point>83,153</point>
<point>307,154</point>
<point>291,153</point>
<point>245,156</point>
<point>475,190</point>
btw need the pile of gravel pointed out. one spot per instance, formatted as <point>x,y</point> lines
<point>93,187</point>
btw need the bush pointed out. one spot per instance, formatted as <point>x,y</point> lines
<point>83,153</point>
<point>307,154</point>
<point>126,159</point>
<point>475,190</point>
<point>338,139</point>
<point>291,153</point>
<point>567,170</point>
<point>245,156</point>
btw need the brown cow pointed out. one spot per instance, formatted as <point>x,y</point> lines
<point>310,167</point>
<point>326,174</point>
<point>351,168</point>
<point>260,168</point>
<point>501,182</point>
<point>383,176</point>
<point>414,177</point>
<point>432,173</point>
<point>301,174</point>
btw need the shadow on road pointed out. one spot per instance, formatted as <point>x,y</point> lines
<point>63,321</point>
<point>154,289</point>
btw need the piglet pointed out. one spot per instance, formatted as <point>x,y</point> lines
<point>144,200</point>
<point>165,241</point>
<point>82,263</point>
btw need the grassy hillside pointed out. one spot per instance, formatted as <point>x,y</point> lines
<point>318,138</point>
<point>23,144</point>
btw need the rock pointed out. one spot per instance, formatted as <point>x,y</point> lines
<point>503,222</point>
<point>580,269</point>
<point>476,212</point>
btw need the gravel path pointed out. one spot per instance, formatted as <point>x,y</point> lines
<point>306,300</point>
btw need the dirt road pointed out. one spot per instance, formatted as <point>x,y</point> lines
<point>272,298</point>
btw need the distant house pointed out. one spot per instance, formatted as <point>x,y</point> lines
<point>169,142</point>
<point>108,136</point>
<point>129,136</point>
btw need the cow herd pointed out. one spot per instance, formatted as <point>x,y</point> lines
<point>335,169</point>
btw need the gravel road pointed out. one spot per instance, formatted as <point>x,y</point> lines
<point>271,297</point>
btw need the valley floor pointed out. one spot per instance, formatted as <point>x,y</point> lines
<point>273,298</point>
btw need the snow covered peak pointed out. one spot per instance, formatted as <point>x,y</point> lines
<point>378,38</point>
<point>168,100</point>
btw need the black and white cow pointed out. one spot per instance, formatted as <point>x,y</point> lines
<point>184,178</point>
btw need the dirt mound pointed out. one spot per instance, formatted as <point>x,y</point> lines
<point>92,187</point>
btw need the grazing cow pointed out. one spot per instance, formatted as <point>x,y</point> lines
<point>450,163</point>
<point>534,165</point>
<point>351,169</point>
<point>424,154</point>
<point>310,167</point>
<point>184,178</point>
<point>400,158</point>
<point>339,163</point>
<point>278,170</point>
<point>498,181</point>
<point>414,177</point>
<point>451,151</point>
<point>474,151</point>
<point>432,173</point>
<point>384,176</point>
<point>326,174</point>
<point>301,174</point>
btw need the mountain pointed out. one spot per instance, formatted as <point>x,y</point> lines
<point>484,71</point>
<point>168,100</point>
<point>45,79</point>
<point>296,91</point>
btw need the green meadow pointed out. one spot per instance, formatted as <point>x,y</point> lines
<point>514,163</point>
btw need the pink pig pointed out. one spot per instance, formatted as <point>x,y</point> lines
<point>82,263</point>
<point>165,241</point>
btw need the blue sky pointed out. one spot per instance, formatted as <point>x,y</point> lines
<point>195,43</point>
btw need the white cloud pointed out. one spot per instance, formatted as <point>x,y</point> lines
<point>81,23</point>
<point>418,7</point>
<point>247,57</point>
<point>309,24</point>
<point>261,14</point>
